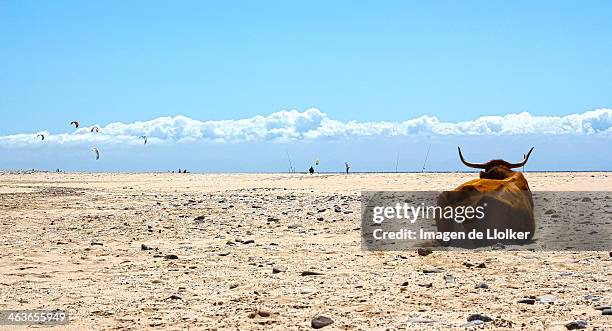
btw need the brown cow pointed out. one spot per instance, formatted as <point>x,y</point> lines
<point>505,196</point>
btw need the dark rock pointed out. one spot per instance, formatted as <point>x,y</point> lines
<point>144,247</point>
<point>576,325</point>
<point>174,297</point>
<point>405,283</point>
<point>426,285</point>
<point>311,273</point>
<point>586,199</point>
<point>278,269</point>
<point>424,251</point>
<point>263,313</point>
<point>433,271</point>
<point>224,253</point>
<point>233,286</point>
<point>527,301</point>
<point>607,311</point>
<point>294,226</point>
<point>602,307</point>
<point>170,257</point>
<point>482,285</point>
<point>320,219</point>
<point>250,241</point>
<point>97,244</point>
<point>321,322</point>
<point>199,218</point>
<point>479,317</point>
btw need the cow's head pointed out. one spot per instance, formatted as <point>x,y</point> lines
<point>495,169</point>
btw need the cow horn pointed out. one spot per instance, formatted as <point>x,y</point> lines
<point>471,165</point>
<point>522,163</point>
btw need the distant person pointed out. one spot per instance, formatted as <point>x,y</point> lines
<point>180,171</point>
<point>347,166</point>
<point>311,170</point>
<point>184,171</point>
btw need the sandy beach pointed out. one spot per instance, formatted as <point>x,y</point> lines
<point>230,251</point>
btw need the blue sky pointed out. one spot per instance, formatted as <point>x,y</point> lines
<point>127,61</point>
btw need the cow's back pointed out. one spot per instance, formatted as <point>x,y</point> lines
<point>508,205</point>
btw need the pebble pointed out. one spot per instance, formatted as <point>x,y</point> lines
<point>576,325</point>
<point>311,273</point>
<point>433,271</point>
<point>224,253</point>
<point>547,298</point>
<point>472,323</point>
<point>97,244</point>
<point>233,286</point>
<point>482,285</point>
<point>263,313</point>
<point>426,285</point>
<point>607,311</point>
<point>306,290</point>
<point>294,226</point>
<point>278,268</point>
<point>144,247</point>
<point>602,307</point>
<point>170,257</point>
<point>174,297</point>
<point>449,279</point>
<point>479,317</point>
<point>527,301</point>
<point>421,320</point>
<point>250,241</point>
<point>321,322</point>
<point>424,251</point>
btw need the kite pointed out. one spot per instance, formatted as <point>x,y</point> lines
<point>76,124</point>
<point>42,136</point>
<point>95,150</point>
<point>145,138</point>
<point>94,129</point>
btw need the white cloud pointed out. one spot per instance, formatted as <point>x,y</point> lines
<point>313,124</point>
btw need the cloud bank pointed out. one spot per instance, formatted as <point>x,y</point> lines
<point>312,124</point>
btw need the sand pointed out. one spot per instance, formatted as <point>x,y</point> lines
<point>74,242</point>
